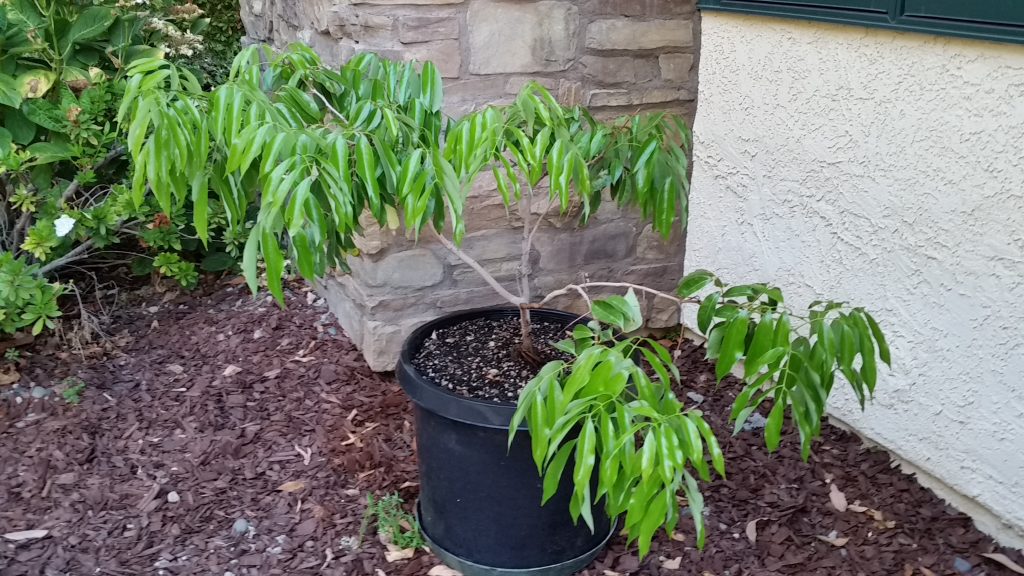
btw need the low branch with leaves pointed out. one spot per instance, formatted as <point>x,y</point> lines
<point>643,442</point>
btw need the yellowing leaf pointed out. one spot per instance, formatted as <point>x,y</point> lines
<point>36,83</point>
<point>837,498</point>
<point>292,486</point>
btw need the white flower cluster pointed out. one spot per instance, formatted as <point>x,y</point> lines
<point>176,42</point>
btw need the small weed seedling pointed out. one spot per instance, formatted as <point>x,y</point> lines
<point>12,355</point>
<point>73,388</point>
<point>393,522</point>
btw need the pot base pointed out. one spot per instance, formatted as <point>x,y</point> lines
<point>468,568</point>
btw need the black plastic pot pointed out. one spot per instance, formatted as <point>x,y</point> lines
<point>479,503</point>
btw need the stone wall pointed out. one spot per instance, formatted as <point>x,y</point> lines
<point>619,54</point>
<point>615,56</point>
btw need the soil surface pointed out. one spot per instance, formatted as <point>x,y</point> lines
<point>479,358</point>
<point>224,434</point>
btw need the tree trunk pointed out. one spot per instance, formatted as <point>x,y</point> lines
<point>527,350</point>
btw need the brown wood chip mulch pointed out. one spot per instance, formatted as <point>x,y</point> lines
<point>229,436</point>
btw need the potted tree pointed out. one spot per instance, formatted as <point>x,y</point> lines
<point>296,153</point>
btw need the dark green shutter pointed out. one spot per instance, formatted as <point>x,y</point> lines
<point>865,5</point>
<point>1005,12</point>
<point>999,20</point>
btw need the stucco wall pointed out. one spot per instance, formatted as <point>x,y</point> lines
<point>885,169</point>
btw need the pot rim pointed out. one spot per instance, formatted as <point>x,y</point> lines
<point>438,400</point>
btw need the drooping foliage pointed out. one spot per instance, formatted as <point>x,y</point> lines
<point>310,149</point>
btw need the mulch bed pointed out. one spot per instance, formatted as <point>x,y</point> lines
<point>230,436</point>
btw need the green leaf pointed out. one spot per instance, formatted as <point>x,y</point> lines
<point>430,88</point>
<point>274,260</point>
<point>876,332</point>
<point>773,428</point>
<point>200,209</point>
<point>694,282</point>
<point>607,313</point>
<point>5,142</point>
<point>553,474</point>
<point>648,454</point>
<point>9,93</point>
<point>714,342</point>
<point>706,312</point>
<point>586,457</point>
<point>622,312</point>
<point>249,255</point>
<point>764,333</point>
<point>22,130</point>
<point>695,500</point>
<point>89,24</point>
<point>653,519</point>
<point>717,457</point>
<point>657,365</point>
<point>741,417</point>
<point>366,168</point>
<point>49,152</point>
<point>732,344</point>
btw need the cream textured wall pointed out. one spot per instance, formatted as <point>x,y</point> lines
<point>886,169</point>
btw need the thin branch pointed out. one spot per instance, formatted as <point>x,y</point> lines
<point>80,252</point>
<point>582,287</point>
<point>20,229</point>
<point>75,184</point>
<point>337,114</point>
<point>512,298</point>
<point>524,260</point>
<point>562,292</point>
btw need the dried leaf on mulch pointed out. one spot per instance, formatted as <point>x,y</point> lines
<point>751,530</point>
<point>837,498</point>
<point>672,564</point>
<point>1005,561</point>
<point>833,539</point>
<point>25,535</point>
<point>292,486</point>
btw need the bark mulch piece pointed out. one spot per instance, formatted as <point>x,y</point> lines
<point>230,435</point>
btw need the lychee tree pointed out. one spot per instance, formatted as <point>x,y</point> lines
<point>296,153</point>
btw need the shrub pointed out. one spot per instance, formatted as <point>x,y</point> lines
<point>62,163</point>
